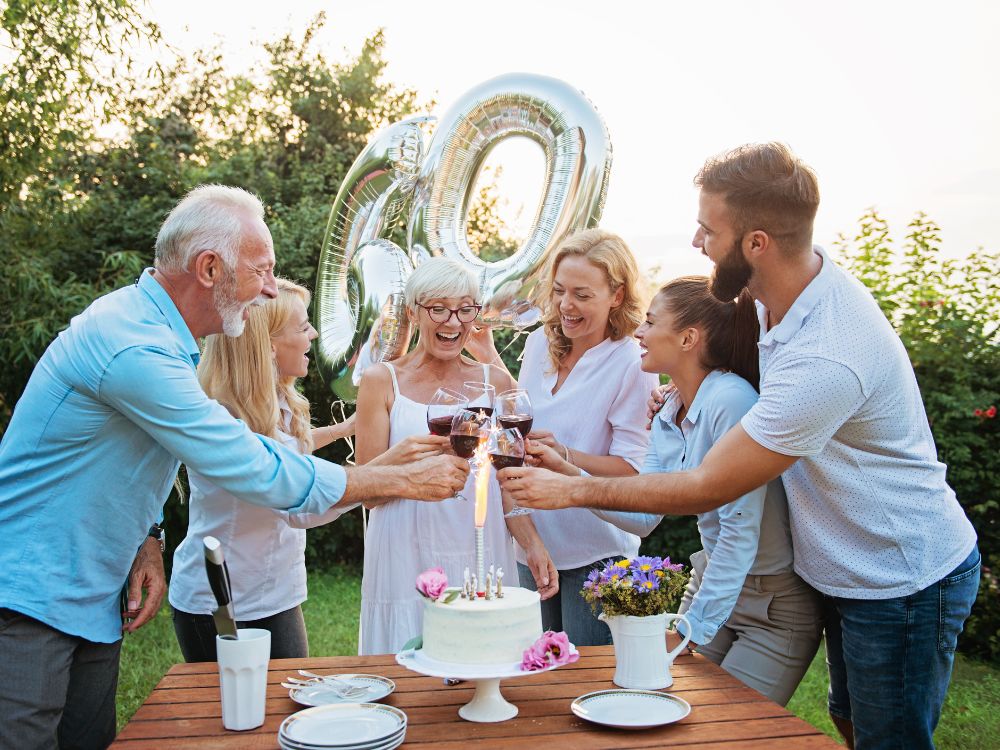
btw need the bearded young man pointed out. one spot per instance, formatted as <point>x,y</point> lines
<point>86,464</point>
<point>875,527</point>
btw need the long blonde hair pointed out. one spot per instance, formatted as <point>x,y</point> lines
<point>240,373</point>
<point>608,252</point>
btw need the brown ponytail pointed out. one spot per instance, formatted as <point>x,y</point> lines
<point>730,328</point>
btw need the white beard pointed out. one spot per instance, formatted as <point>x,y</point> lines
<point>229,309</point>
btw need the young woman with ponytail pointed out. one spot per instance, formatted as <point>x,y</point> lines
<point>749,611</point>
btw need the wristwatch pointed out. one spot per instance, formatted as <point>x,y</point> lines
<point>156,531</point>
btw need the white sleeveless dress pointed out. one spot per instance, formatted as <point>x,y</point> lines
<point>406,537</point>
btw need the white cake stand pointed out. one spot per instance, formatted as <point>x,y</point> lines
<point>487,704</point>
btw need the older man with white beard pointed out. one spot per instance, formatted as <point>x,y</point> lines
<point>86,464</point>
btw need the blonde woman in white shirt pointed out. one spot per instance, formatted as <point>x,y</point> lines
<point>581,370</point>
<point>254,376</point>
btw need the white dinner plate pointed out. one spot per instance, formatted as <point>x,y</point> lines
<point>319,694</point>
<point>630,709</point>
<point>388,744</point>
<point>344,725</point>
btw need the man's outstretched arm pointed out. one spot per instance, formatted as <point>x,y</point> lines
<point>736,465</point>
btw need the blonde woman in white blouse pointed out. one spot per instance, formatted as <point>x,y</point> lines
<point>581,370</point>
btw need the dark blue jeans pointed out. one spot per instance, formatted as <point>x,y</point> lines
<point>890,660</point>
<point>567,610</point>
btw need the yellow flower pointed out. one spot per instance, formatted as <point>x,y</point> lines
<point>623,563</point>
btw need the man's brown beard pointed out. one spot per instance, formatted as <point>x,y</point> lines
<point>730,275</point>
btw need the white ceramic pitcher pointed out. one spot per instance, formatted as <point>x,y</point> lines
<point>641,658</point>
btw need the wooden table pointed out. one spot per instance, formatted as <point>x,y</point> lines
<point>184,711</point>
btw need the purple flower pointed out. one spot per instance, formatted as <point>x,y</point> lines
<point>432,583</point>
<point>645,564</point>
<point>646,582</point>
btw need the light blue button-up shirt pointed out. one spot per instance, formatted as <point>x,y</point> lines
<point>749,536</point>
<point>86,464</point>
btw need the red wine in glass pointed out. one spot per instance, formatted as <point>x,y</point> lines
<point>520,422</point>
<point>464,445</point>
<point>486,410</point>
<point>440,426</point>
<point>501,461</point>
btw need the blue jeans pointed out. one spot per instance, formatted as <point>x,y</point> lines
<point>567,610</point>
<point>890,660</point>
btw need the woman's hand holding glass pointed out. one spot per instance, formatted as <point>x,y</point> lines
<point>538,453</point>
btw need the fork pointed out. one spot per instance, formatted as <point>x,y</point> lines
<point>348,688</point>
<point>353,691</point>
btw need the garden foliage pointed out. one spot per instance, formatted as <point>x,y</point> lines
<point>79,211</point>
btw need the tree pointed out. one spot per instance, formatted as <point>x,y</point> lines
<point>60,82</point>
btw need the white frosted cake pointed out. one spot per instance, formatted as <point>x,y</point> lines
<point>484,631</point>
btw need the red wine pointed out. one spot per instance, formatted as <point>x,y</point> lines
<point>486,410</point>
<point>502,462</point>
<point>465,445</point>
<point>521,422</point>
<point>440,426</point>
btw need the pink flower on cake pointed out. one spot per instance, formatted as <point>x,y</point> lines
<point>550,650</point>
<point>432,583</point>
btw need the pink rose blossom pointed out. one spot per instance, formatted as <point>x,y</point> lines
<point>534,659</point>
<point>550,650</point>
<point>432,583</point>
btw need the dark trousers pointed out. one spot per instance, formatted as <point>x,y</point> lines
<point>196,634</point>
<point>56,690</point>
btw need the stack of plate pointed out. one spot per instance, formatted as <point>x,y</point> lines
<point>345,726</point>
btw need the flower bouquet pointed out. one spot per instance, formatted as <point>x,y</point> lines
<point>638,587</point>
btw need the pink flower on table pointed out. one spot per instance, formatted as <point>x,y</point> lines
<point>432,583</point>
<point>550,650</point>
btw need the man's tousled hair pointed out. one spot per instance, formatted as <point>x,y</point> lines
<point>766,187</point>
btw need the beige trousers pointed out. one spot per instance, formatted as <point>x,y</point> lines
<point>771,637</point>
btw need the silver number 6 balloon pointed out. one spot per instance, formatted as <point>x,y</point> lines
<point>361,317</point>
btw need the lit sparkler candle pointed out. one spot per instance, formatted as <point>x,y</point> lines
<point>481,460</point>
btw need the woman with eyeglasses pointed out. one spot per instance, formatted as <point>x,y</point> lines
<point>404,537</point>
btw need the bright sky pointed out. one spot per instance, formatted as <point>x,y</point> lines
<point>895,104</point>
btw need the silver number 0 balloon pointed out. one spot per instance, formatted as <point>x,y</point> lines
<point>360,314</point>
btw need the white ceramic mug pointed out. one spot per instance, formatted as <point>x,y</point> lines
<point>243,677</point>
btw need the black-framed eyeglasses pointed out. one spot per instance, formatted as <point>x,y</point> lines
<point>442,314</point>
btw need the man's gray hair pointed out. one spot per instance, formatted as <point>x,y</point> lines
<point>210,217</point>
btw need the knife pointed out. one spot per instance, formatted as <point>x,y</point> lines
<point>218,579</point>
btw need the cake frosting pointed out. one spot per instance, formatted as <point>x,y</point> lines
<point>483,631</point>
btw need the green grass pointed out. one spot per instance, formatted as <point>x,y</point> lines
<point>970,720</point>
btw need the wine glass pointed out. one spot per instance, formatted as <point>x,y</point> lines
<point>506,448</point>
<point>480,396</point>
<point>466,426</point>
<point>444,405</point>
<point>513,410</point>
